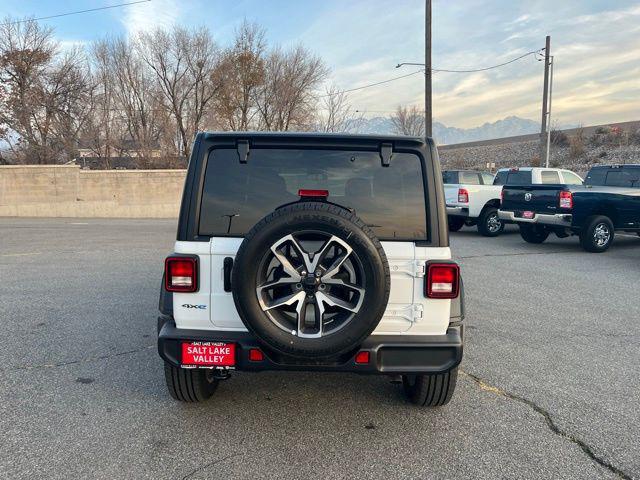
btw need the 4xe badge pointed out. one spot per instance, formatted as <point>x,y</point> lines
<point>189,305</point>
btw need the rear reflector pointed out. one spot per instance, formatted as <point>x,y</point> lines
<point>181,274</point>
<point>313,193</point>
<point>443,280</point>
<point>463,195</point>
<point>256,355</point>
<point>362,358</point>
<point>566,200</point>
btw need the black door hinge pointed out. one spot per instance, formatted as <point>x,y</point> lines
<point>243,150</point>
<point>386,152</point>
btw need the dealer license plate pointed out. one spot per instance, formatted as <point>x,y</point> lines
<point>208,354</point>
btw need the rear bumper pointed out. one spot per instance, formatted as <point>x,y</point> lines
<point>388,354</point>
<point>558,219</point>
<point>458,211</point>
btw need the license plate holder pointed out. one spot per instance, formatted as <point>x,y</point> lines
<point>527,214</point>
<point>208,355</point>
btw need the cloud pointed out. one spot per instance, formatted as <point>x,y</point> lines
<point>67,45</point>
<point>595,48</point>
<point>151,15</point>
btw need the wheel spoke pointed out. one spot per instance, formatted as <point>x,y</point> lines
<point>318,313</point>
<point>281,282</point>
<point>297,297</point>
<point>338,302</point>
<point>337,263</point>
<point>341,283</point>
<point>284,261</point>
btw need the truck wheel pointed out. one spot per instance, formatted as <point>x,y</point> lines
<point>433,390</point>
<point>188,385</point>
<point>455,223</point>
<point>489,223</point>
<point>311,280</point>
<point>533,233</point>
<point>597,235</point>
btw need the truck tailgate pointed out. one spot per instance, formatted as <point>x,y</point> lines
<point>538,198</point>
<point>451,194</point>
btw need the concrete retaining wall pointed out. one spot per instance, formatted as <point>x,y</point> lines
<point>68,191</point>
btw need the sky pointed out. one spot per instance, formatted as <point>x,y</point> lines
<point>595,44</point>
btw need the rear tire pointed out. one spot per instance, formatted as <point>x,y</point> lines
<point>533,233</point>
<point>455,223</point>
<point>433,390</point>
<point>189,385</point>
<point>597,235</point>
<point>489,224</point>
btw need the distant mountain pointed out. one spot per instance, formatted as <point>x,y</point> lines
<point>507,127</point>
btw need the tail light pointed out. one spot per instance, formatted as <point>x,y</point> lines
<point>181,274</point>
<point>313,193</point>
<point>501,196</point>
<point>443,280</point>
<point>566,200</point>
<point>463,195</point>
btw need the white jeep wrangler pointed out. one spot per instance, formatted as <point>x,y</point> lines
<point>312,252</point>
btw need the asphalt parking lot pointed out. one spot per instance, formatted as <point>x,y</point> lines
<point>549,389</point>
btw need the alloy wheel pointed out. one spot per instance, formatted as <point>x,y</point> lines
<point>310,284</point>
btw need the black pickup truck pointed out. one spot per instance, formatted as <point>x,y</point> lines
<point>608,201</point>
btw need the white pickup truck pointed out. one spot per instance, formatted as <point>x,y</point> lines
<point>473,198</point>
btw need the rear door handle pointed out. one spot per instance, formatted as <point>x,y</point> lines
<point>227,266</point>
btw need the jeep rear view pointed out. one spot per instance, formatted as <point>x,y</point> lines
<point>316,253</point>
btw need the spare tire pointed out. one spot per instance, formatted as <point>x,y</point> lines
<point>311,280</point>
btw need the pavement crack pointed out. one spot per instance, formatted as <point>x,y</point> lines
<point>210,464</point>
<point>79,361</point>
<point>588,450</point>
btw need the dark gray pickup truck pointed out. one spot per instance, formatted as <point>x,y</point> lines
<point>608,201</point>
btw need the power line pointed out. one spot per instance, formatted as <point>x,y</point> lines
<point>486,68</point>
<point>433,70</point>
<point>73,13</point>
<point>371,84</point>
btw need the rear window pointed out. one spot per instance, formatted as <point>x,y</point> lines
<point>614,177</point>
<point>470,178</point>
<point>390,200</point>
<point>626,177</point>
<point>571,178</point>
<point>487,179</point>
<point>549,177</point>
<point>449,178</point>
<point>513,177</point>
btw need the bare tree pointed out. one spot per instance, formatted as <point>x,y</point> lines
<point>104,128</point>
<point>408,121</point>
<point>336,113</point>
<point>148,95</point>
<point>46,95</point>
<point>135,95</point>
<point>286,99</point>
<point>243,72</point>
<point>184,63</point>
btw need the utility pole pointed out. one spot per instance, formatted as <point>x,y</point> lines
<point>428,122</point>
<point>549,114</point>
<point>545,93</point>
